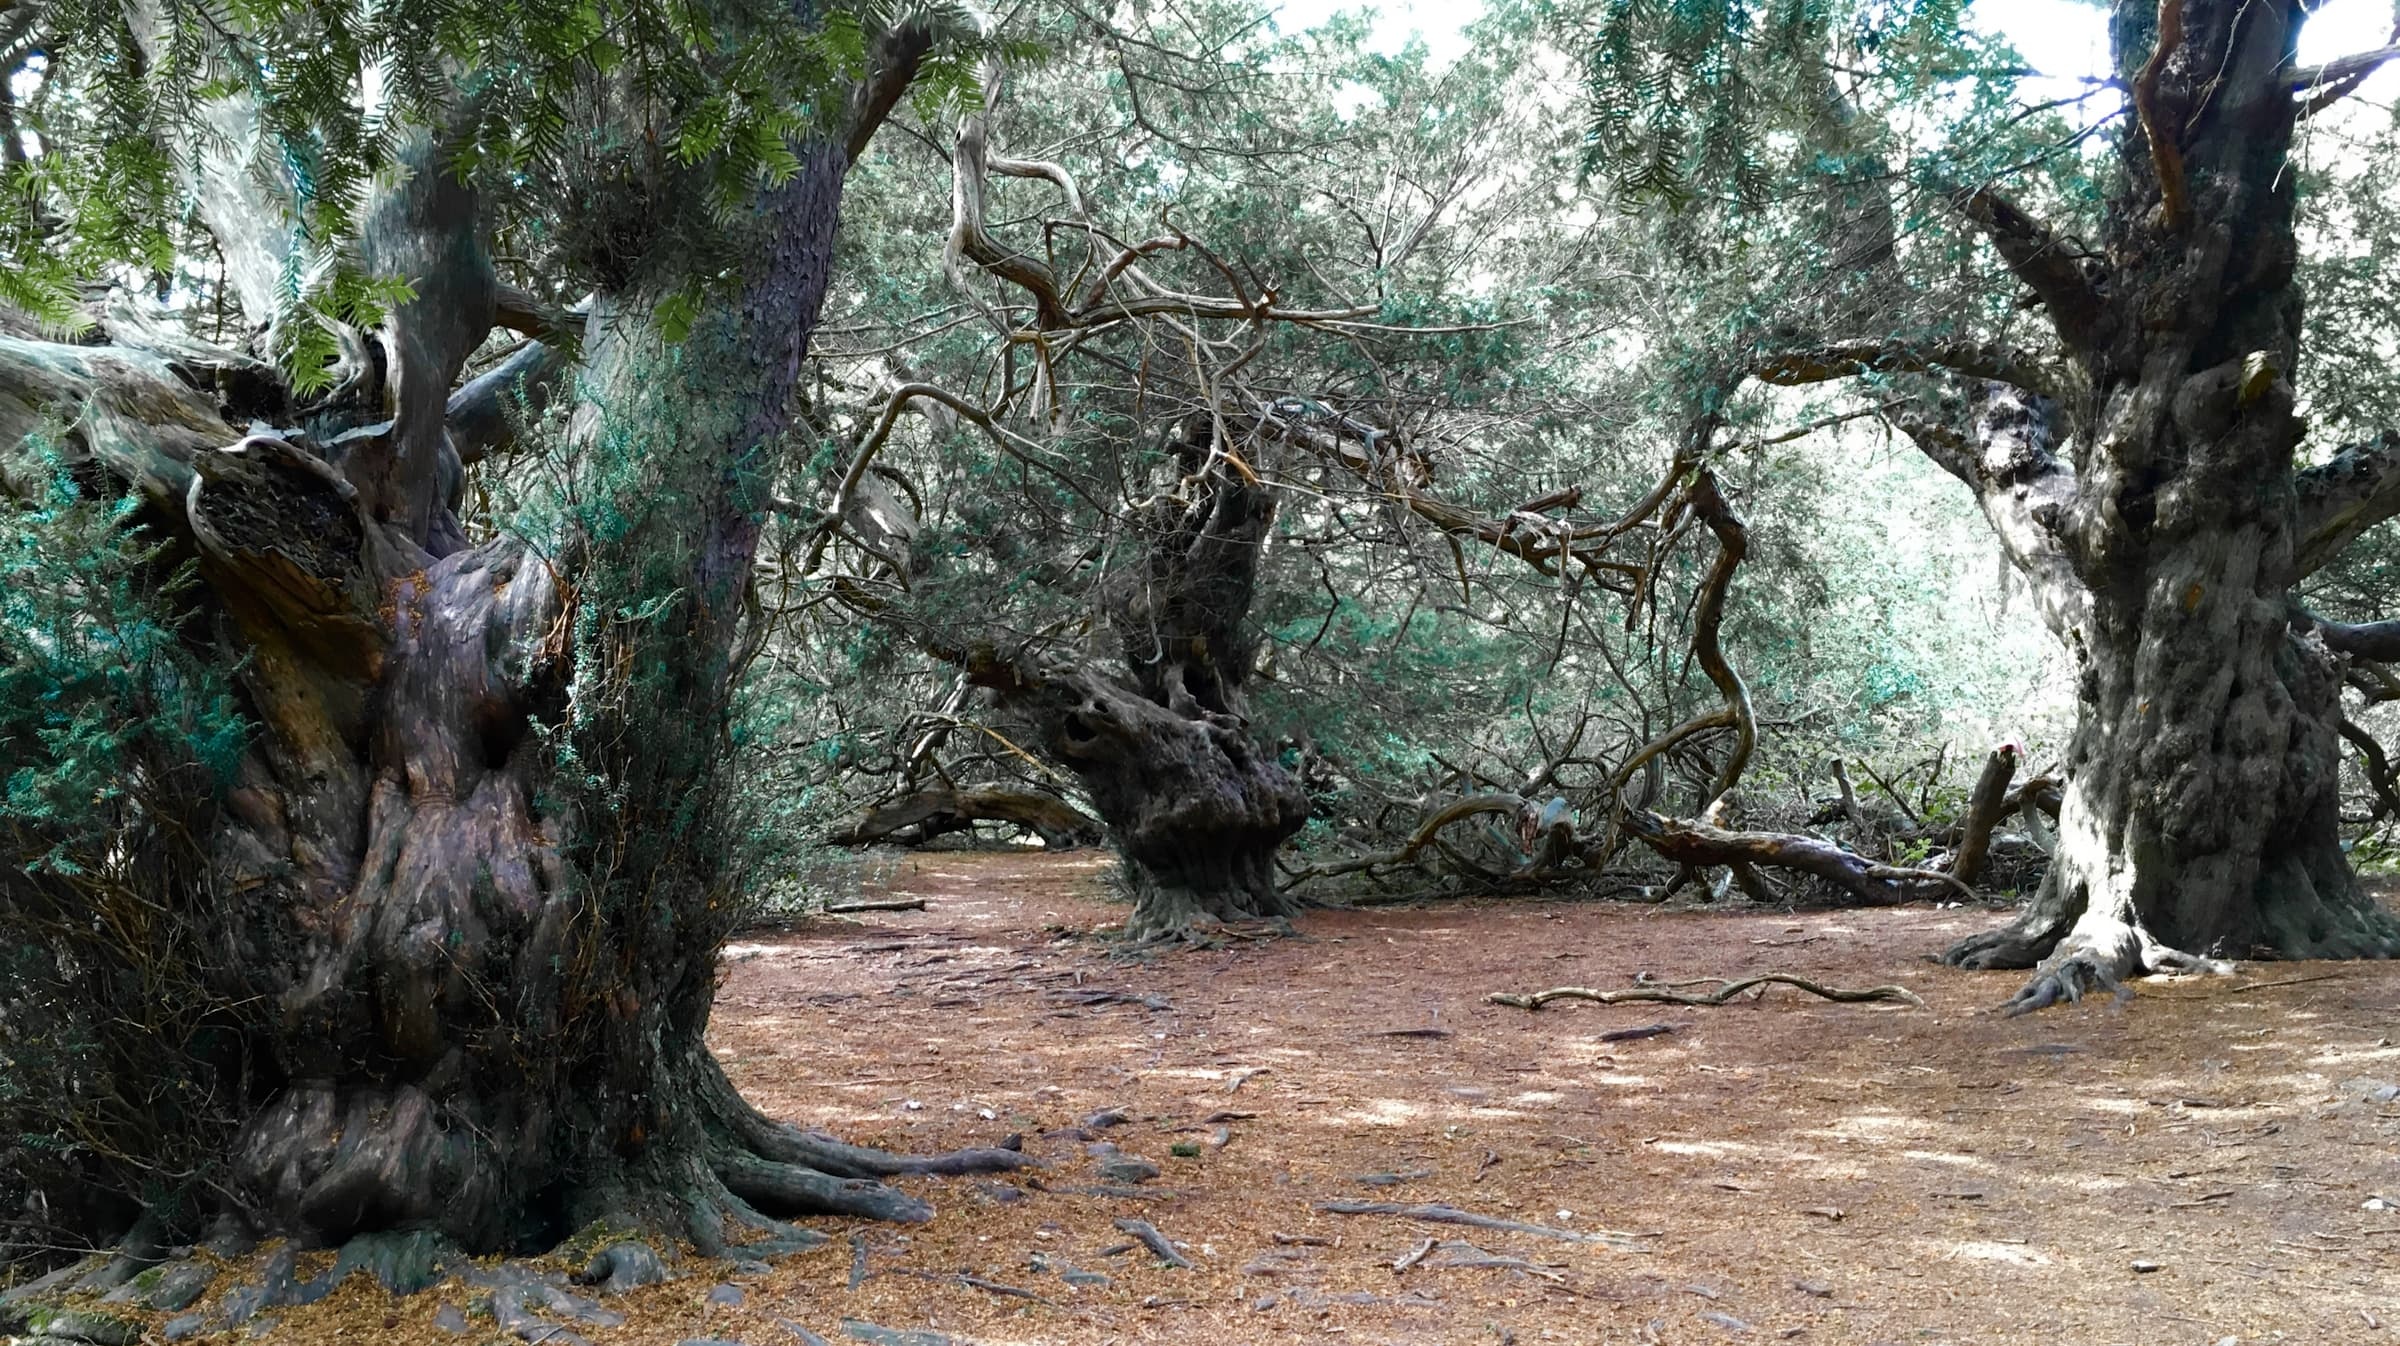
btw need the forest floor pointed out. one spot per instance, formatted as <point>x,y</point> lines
<point>2212,1161</point>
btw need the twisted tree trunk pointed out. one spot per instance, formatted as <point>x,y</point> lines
<point>2200,814</point>
<point>1195,807</point>
<point>475,852</point>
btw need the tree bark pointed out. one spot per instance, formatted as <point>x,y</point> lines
<point>2201,806</point>
<point>1195,807</point>
<point>477,844</point>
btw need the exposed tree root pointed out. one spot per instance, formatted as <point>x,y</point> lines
<point>1725,992</point>
<point>1160,1245</point>
<point>1224,901</point>
<point>2097,957</point>
<point>2022,943</point>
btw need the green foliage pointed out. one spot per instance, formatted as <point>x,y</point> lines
<point>1688,96</point>
<point>97,691</point>
<point>120,984</point>
<point>548,105</point>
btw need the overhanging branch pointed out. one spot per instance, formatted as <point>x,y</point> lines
<point>2025,491</point>
<point>1846,359</point>
<point>2054,269</point>
<point>2354,491</point>
<point>891,69</point>
<point>2337,79</point>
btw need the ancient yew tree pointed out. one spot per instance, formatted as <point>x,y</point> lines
<point>2140,457</point>
<point>448,903</point>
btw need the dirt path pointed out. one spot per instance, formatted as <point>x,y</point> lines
<point>2213,1162</point>
<point>2192,1167</point>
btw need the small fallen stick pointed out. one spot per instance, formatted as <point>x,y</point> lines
<point>1156,1242</point>
<point>1439,1214</point>
<point>1724,993</point>
<point>975,1282</point>
<point>1636,1034</point>
<point>1413,1256</point>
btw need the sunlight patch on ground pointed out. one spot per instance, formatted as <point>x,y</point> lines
<point>1708,1149</point>
<point>1943,1157</point>
<point>1382,1112</point>
<point>2351,1056</point>
<point>2008,1254</point>
<point>1874,1126</point>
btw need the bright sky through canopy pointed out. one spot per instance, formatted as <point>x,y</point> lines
<point>2068,38</point>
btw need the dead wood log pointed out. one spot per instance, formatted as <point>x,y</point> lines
<point>922,816</point>
<point>1700,845</point>
<point>1668,994</point>
<point>1985,808</point>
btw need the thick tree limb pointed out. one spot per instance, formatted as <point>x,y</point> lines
<point>2379,641</point>
<point>2048,264</point>
<point>2342,498</point>
<point>1702,845</point>
<point>2337,79</point>
<point>483,414</point>
<point>2026,492</point>
<point>1845,359</point>
<point>427,230</point>
<point>122,409</point>
<point>2380,777</point>
<point>892,68</point>
<point>2357,65</point>
<point>1725,992</point>
<point>528,316</point>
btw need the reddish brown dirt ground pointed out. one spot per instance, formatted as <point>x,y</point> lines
<point>2206,1163</point>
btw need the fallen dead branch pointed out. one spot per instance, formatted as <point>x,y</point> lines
<point>1702,845</point>
<point>926,814</point>
<point>884,904</point>
<point>1439,1214</point>
<point>1725,992</point>
<point>975,1282</point>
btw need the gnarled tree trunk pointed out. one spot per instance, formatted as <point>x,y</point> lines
<point>475,850</point>
<point>1193,804</point>
<point>2200,813</point>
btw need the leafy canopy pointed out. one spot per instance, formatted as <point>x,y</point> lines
<point>125,109</point>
